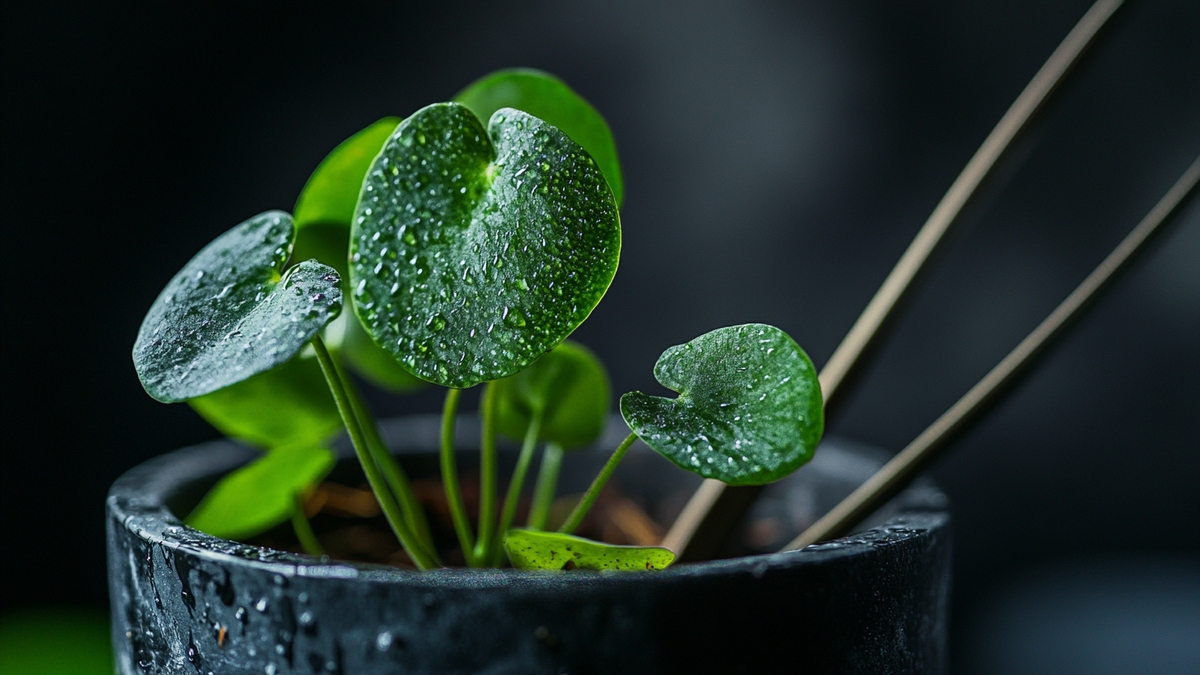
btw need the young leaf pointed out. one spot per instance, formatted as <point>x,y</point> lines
<point>261,494</point>
<point>568,385</point>
<point>749,407</point>
<point>285,406</point>
<point>332,191</point>
<point>533,550</point>
<point>548,98</point>
<point>473,252</point>
<point>227,315</point>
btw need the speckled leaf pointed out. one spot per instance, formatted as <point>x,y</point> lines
<point>374,363</point>
<point>568,385</point>
<point>261,494</point>
<point>548,98</point>
<point>534,550</point>
<point>227,315</point>
<point>285,406</point>
<point>749,408</point>
<point>473,252</point>
<point>332,190</point>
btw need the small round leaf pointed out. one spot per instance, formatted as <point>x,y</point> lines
<point>548,98</point>
<point>332,190</point>
<point>227,315</point>
<point>570,388</point>
<point>261,494</point>
<point>535,550</point>
<point>285,406</point>
<point>474,251</point>
<point>749,408</point>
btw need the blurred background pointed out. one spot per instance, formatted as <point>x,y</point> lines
<point>778,158</point>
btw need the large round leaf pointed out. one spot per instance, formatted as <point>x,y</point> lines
<point>749,408</point>
<point>473,252</point>
<point>570,389</point>
<point>261,494</point>
<point>332,190</point>
<point>372,362</point>
<point>285,406</point>
<point>548,98</point>
<point>227,315</point>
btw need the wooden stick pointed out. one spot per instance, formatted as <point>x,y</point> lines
<point>714,510</point>
<point>896,474</point>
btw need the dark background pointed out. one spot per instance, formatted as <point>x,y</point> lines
<point>778,159</point>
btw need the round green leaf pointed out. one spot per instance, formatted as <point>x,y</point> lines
<point>534,550</point>
<point>261,494</point>
<point>371,361</point>
<point>569,387</point>
<point>548,98</point>
<point>227,315</point>
<point>749,408</point>
<point>332,191</point>
<point>285,406</point>
<point>473,252</point>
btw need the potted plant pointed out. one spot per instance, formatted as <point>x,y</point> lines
<point>462,246</point>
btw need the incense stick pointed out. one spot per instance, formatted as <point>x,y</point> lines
<point>715,509</point>
<point>896,474</point>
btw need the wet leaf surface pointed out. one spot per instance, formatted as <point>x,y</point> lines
<point>548,98</point>
<point>570,387</point>
<point>534,550</point>
<point>227,315</point>
<point>474,252</point>
<point>749,409</point>
<point>261,494</point>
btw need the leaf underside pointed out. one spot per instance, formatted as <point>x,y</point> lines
<point>227,315</point>
<point>749,409</point>
<point>548,98</point>
<point>261,494</point>
<point>474,251</point>
<point>569,385</point>
<point>534,550</point>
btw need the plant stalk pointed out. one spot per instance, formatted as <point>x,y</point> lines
<point>547,483</point>
<point>516,482</point>
<point>391,509</point>
<point>593,492</point>
<point>458,510</point>
<point>487,473</point>
<point>304,532</point>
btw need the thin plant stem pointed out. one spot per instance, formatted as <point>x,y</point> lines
<point>543,489</point>
<point>393,473</point>
<point>304,532</point>
<point>487,473</point>
<point>391,510</point>
<point>589,497</point>
<point>517,481</point>
<point>458,510</point>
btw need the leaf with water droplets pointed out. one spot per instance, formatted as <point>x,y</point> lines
<point>749,409</point>
<point>228,315</point>
<point>570,387</point>
<point>474,251</point>
<point>535,550</point>
<point>261,494</point>
<point>548,98</point>
<point>285,406</point>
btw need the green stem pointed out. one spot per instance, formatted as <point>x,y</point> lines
<point>391,510</point>
<point>304,532</point>
<point>393,473</point>
<point>517,481</point>
<point>593,492</point>
<point>547,483</point>
<point>487,473</point>
<point>458,511</point>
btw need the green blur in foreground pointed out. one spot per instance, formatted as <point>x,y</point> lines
<point>55,642</point>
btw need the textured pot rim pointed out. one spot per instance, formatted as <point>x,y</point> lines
<point>139,501</point>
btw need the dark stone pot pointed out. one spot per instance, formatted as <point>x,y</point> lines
<point>874,602</point>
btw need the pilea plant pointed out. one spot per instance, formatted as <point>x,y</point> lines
<point>460,246</point>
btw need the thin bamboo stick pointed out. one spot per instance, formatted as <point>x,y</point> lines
<point>715,508</point>
<point>896,474</point>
